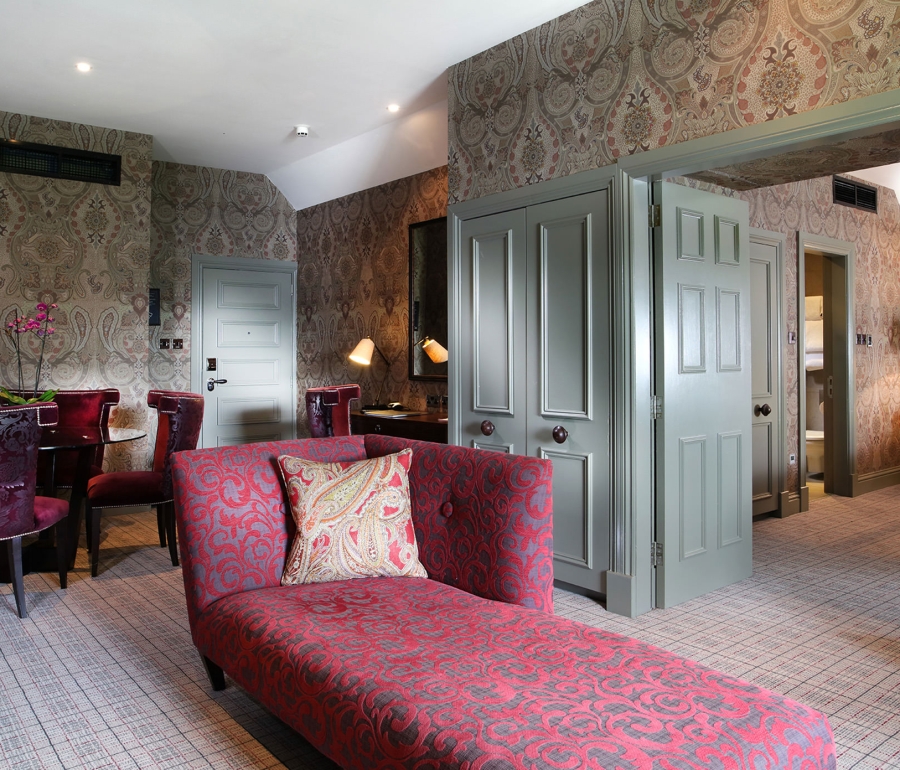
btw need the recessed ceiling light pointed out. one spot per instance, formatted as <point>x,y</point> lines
<point>83,66</point>
<point>393,108</point>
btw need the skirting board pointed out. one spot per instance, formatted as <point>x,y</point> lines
<point>620,598</point>
<point>869,482</point>
<point>788,504</point>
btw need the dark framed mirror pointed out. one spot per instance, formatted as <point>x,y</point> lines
<point>427,298</point>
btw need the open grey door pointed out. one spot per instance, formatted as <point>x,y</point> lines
<point>704,435</point>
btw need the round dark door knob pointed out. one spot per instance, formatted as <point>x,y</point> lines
<point>487,427</point>
<point>766,410</point>
<point>560,434</point>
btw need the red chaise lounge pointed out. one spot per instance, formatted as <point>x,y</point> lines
<point>468,668</point>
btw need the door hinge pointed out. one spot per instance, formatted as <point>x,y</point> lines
<point>656,554</point>
<point>655,215</point>
<point>655,407</point>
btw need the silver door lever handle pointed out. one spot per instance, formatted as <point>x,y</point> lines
<point>211,383</point>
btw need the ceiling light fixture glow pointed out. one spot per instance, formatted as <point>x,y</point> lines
<point>393,108</point>
<point>83,66</point>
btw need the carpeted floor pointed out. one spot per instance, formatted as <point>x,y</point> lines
<point>104,675</point>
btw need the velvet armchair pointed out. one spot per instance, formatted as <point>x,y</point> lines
<point>22,512</point>
<point>178,428</point>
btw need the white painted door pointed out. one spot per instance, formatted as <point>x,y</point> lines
<point>248,365</point>
<point>703,361</point>
<point>766,373</point>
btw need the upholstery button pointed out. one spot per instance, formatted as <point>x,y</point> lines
<point>447,509</point>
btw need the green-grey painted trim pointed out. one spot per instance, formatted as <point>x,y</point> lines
<point>788,505</point>
<point>823,126</point>
<point>454,340</point>
<point>870,482</point>
<point>621,594</point>
<point>200,261</point>
<point>779,241</point>
<point>844,462</point>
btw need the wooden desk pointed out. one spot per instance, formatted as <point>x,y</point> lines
<point>423,427</point>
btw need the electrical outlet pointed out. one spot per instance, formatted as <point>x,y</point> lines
<point>432,401</point>
<point>444,401</point>
<point>178,344</point>
<point>163,344</point>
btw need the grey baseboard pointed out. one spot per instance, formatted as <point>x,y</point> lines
<point>870,482</point>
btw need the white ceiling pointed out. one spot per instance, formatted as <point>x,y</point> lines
<point>223,83</point>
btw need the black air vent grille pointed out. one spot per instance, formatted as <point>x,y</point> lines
<point>59,162</point>
<point>859,196</point>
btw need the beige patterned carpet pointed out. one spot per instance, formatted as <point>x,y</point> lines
<point>104,675</point>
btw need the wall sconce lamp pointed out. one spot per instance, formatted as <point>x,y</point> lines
<point>434,350</point>
<point>362,355</point>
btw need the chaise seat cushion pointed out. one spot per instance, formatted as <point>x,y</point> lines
<point>392,672</point>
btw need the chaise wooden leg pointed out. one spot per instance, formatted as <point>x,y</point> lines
<point>14,550</point>
<point>62,551</point>
<point>215,674</point>
<point>93,515</point>
<point>169,516</point>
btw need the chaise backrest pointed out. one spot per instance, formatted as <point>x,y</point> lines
<point>234,526</point>
<point>484,520</point>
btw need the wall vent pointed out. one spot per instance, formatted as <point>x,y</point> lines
<point>59,162</point>
<point>859,196</point>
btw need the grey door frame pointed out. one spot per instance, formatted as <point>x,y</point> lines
<point>841,445</point>
<point>786,505</point>
<point>631,581</point>
<point>201,261</point>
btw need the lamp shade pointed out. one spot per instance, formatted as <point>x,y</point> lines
<point>362,353</point>
<point>435,351</point>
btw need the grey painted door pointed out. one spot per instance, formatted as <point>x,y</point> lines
<point>248,328</point>
<point>568,376</point>
<point>766,374</point>
<point>535,316</point>
<point>703,364</point>
<point>492,325</point>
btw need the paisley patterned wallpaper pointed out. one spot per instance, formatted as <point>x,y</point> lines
<point>615,77</point>
<point>87,248</point>
<point>210,211</point>
<point>808,206</point>
<point>353,282</point>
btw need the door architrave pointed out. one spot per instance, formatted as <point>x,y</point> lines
<point>841,445</point>
<point>201,261</point>
<point>631,581</point>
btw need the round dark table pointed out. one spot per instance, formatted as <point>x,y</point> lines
<point>84,440</point>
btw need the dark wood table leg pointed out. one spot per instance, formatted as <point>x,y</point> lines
<point>76,502</point>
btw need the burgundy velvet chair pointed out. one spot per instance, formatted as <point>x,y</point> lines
<point>21,511</point>
<point>178,428</point>
<point>77,408</point>
<point>328,410</point>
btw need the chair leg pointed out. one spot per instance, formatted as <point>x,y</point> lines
<point>14,550</point>
<point>215,674</point>
<point>61,529</point>
<point>169,516</point>
<point>161,525</point>
<point>93,514</point>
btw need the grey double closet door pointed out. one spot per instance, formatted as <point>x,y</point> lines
<point>535,373</point>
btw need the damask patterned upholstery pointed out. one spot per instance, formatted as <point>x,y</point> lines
<point>21,511</point>
<point>328,410</point>
<point>413,673</point>
<point>178,429</point>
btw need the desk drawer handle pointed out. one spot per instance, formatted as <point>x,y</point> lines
<point>487,427</point>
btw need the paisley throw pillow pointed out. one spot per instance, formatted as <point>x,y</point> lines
<point>353,519</point>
